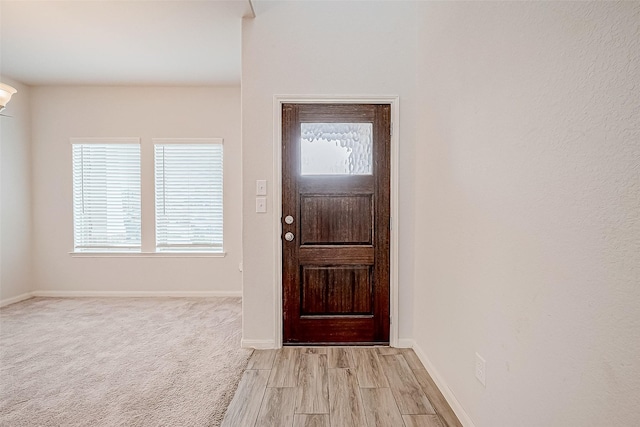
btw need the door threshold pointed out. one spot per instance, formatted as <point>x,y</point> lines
<point>335,344</point>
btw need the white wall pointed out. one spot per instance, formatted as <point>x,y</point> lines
<point>319,48</point>
<point>60,113</point>
<point>15,194</point>
<point>528,245</point>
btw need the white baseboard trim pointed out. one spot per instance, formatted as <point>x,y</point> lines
<point>136,294</point>
<point>442,385</point>
<point>16,299</point>
<point>258,344</point>
<point>405,343</point>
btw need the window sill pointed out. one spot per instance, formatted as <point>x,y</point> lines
<point>148,254</point>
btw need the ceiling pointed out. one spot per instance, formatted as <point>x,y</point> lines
<point>140,42</point>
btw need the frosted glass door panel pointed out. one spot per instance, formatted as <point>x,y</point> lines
<point>336,149</point>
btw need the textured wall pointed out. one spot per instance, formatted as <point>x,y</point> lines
<point>528,248</point>
<point>60,113</point>
<point>15,194</point>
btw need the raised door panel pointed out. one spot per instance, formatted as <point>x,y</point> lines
<point>336,219</point>
<point>336,290</point>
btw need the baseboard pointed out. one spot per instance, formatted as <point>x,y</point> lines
<point>258,344</point>
<point>16,299</point>
<point>405,343</point>
<point>442,385</point>
<point>136,294</point>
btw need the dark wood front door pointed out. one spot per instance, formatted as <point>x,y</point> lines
<point>335,223</point>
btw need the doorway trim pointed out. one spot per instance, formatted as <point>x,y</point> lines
<point>394,102</point>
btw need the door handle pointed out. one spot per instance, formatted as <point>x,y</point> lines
<point>289,236</point>
<point>288,219</point>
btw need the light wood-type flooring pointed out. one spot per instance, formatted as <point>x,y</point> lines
<point>337,387</point>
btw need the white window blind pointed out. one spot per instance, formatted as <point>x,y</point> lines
<point>106,195</point>
<point>188,180</point>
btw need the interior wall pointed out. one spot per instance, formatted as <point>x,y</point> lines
<point>60,113</point>
<point>319,48</point>
<point>15,194</point>
<point>527,183</point>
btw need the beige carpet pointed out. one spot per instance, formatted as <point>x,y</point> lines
<point>119,361</point>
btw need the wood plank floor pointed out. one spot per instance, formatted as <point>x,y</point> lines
<point>338,387</point>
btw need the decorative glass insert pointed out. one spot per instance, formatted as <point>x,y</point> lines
<point>336,149</point>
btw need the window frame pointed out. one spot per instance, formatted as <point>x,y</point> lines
<point>188,141</point>
<point>79,141</point>
<point>147,199</point>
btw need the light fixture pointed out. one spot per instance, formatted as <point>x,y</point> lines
<point>5,95</point>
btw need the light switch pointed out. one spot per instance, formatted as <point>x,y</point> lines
<point>261,187</point>
<point>261,204</point>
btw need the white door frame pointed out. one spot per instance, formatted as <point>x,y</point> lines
<point>278,100</point>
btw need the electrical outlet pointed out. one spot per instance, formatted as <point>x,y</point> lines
<point>481,369</point>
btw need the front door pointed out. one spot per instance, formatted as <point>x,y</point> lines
<point>335,223</point>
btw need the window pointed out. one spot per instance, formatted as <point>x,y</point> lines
<point>336,148</point>
<point>188,184</point>
<point>107,210</point>
<point>106,195</point>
